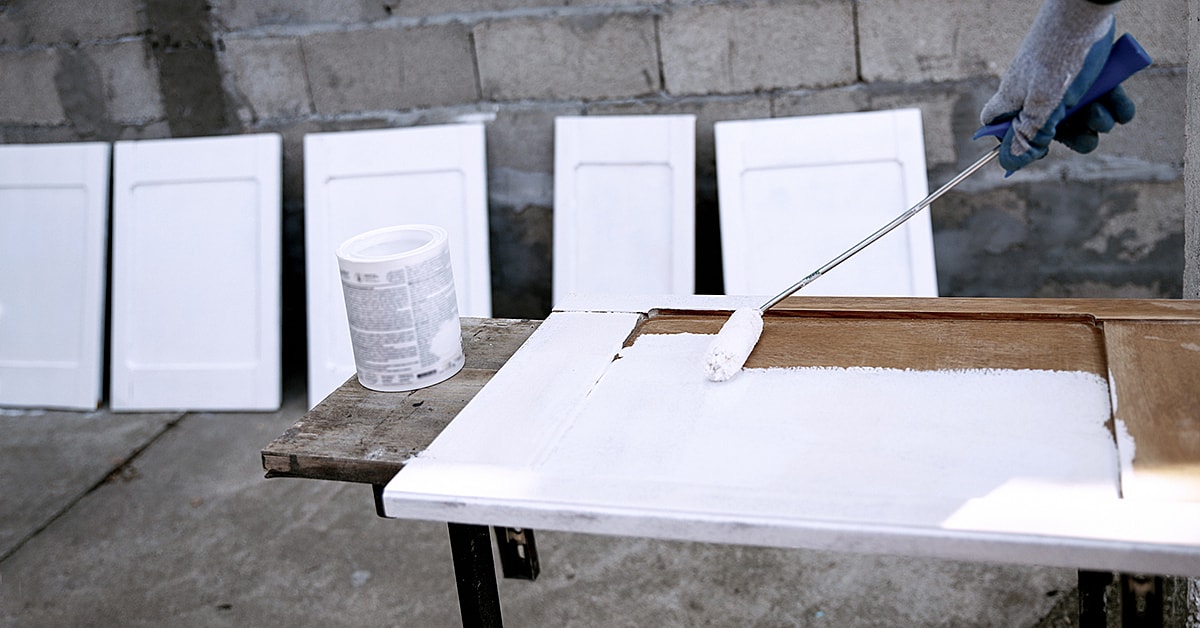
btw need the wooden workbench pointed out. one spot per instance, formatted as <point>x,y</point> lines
<point>362,436</point>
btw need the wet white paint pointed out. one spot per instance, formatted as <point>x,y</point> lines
<point>864,431</point>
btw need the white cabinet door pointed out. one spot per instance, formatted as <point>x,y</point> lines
<point>357,181</point>
<point>796,192</point>
<point>582,432</point>
<point>624,205</point>
<point>196,274</point>
<point>53,254</point>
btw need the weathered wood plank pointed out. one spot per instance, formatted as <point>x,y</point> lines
<point>362,435</point>
<point>1156,381</point>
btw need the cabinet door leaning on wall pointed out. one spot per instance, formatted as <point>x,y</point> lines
<point>53,248</point>
<point>196,274</point>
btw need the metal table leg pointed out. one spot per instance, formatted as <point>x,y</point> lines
<point>1093,612</point>
<point>474,570</point>
<point>475,573</point>
<point>518,553</point>
<point>1141,601</point>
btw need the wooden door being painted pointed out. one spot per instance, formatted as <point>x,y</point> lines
<point>624,205</point>
<point>196,274</point>
<point>362,180</point>
<point>53,254</point>
<point>796,192</point>
<point>841,431</point>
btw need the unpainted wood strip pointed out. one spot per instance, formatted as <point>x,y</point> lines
<point>911,343</point>
<point>930,344</point>
<point>1100,309</point>
<point>1155,372</point>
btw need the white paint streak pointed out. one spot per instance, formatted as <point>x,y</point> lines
<point>376,454</point>
<point>1126,447</point>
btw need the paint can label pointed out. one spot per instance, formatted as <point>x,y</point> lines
<point>398,287</point>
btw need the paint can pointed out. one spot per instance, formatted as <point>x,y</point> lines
<point>401,305</point>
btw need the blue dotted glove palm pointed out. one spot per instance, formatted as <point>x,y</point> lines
<point>1058,61</point>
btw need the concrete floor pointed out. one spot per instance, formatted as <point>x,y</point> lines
<point>157,519</point>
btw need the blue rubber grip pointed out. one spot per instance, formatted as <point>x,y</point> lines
<point>1126,58</point>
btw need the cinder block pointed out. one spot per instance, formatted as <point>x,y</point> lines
<point>589,57</point>
<point>520,156</point>
<point>819,102</point>
<point>1132,229</point>
<point>1156,134</point>
<point>940,40</point>
<point>268,75</point>
<point>606,3</point>
<point>1160,26</point>
<point>936,105</point>
<point>157,130</point>
<point>944,40</point>
<point>734,48</point>
<point>463,8</point>
<point>522,241</point>
<point>28,94</point>
<point>37,134</point>
<point>237,15</point>
<point>521,139</point>
<point>10,30</point>
<point>390,69</point>
<point>57,21</point>
<point>1061,239</point>
<point>293,160</point>
<point>130,81</point>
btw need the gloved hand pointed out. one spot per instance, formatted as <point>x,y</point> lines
<point>1058,61</point>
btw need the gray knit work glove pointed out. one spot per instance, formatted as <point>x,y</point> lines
<point>1058,61</point>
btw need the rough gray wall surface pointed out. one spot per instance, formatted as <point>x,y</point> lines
<point>1106,224</point>
<point>1191,273</point>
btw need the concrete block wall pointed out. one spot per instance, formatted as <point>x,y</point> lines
<point>1107,224</point>
<point>1191,268</point>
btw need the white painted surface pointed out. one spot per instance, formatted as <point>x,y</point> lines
<point>796,192</point>
<point>53,258</point>
<point>196,274</point>
<point>647,302</point>
<point>363,180</point>
<point>1005,466</point>
<point>624,205</point>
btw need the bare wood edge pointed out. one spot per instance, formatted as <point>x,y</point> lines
<point>287,465</point>
<point>972,307</point>
<point>989,307</point>
<point>1155,400</point>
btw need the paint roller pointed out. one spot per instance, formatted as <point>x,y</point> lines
<point>736,340</point>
